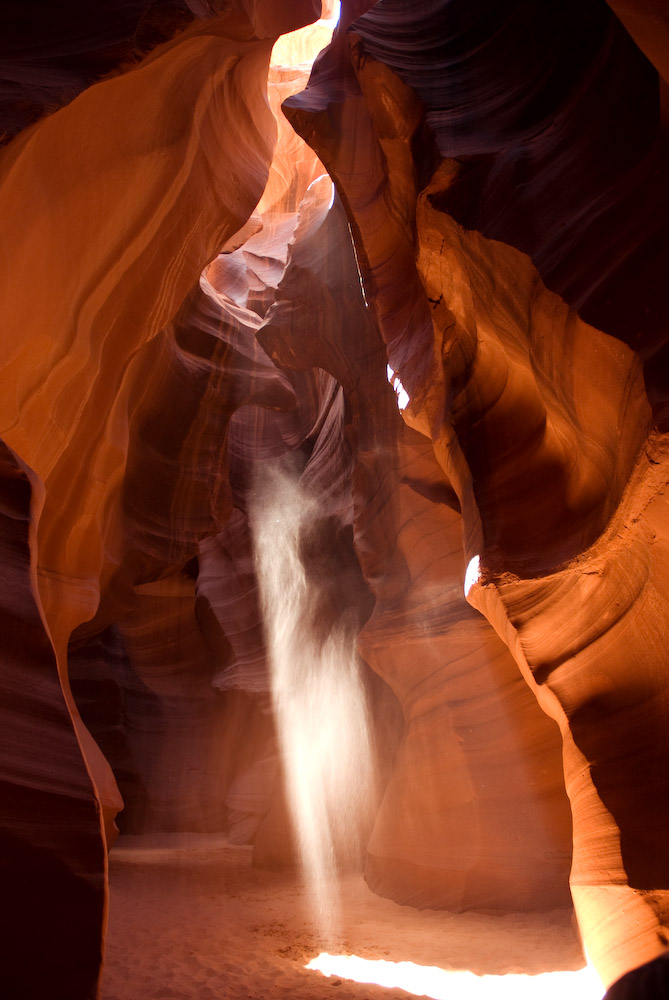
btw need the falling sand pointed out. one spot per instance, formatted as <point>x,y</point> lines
<point>318,696</point>
<point>191,919</point>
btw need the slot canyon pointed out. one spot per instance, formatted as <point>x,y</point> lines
<point>334,351</point>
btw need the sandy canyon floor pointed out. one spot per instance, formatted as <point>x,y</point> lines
<point>191,919</point>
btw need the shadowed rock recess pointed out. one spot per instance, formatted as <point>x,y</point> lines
<point>196,286</point>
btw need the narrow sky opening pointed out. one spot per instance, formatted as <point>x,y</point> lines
<point>400,391</point>
<point>473,573</point>
<point>300,48</point>
<point>331,13</point>
<point>357,264</point>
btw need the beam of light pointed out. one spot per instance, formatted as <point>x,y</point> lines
<point>400,391</point>
<point>473,573</point>
<point>317,692</point>
<point>442,984</point>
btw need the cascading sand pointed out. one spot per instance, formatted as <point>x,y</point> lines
<point>318,694</point>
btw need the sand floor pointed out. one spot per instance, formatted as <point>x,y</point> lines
<point>190,919</point>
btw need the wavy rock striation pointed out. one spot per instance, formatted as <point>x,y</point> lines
<point>539,421</point>
<point>210,306</point>
<point>118,222</point>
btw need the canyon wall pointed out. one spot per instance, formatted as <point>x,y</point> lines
<point>111,209</point>
<point>511,259</point>
<point>459,348</point>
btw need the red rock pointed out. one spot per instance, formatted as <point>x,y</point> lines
<point>119,230</point>
<point>541,421</point>
<point>185,299</point>
<point>52,858</point>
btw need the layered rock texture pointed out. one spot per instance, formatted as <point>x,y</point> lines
<point>468,199</point>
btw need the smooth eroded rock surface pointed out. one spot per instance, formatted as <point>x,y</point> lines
<point>434,291</point>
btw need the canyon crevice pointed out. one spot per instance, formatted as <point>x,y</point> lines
<point>426,277</point>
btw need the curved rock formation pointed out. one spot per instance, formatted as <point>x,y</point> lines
<point>475,815</point>
<point>538,420</point>
<point>53,872</point>
<point>453,830</point>
<point>118,229</point>
<point>188,301</point>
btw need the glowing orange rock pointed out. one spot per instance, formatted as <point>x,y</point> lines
<point>117,202</point>
<point>539,421</point>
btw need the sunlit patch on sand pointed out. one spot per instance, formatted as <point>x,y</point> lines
<point>442,984</point>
